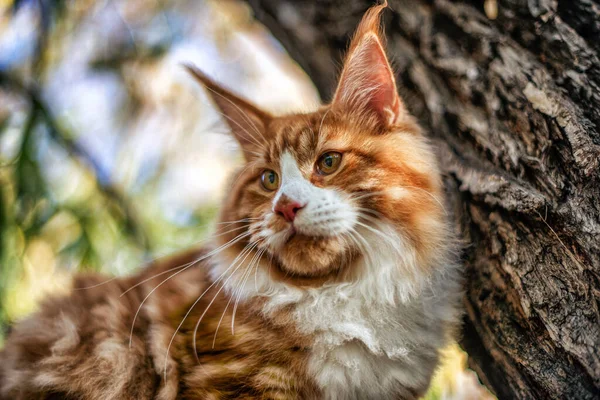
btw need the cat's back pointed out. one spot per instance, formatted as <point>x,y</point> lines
<point>93,343</point>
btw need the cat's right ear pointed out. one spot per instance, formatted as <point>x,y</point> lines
<point>247,122</point>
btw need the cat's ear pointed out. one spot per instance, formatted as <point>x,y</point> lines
<point>367,87</point>
<point>247,121</point>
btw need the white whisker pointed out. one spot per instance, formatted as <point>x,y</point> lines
<point>235,222</point>
<point>188,313</point>
<point>257,257</point>
<point>230,243</point>
<point>430,195</point>
<point>371,211</point>
<point>365,195</point>
<point>215,297</point>
<point>227,306</point>
<point>393,244</point>
<point>179,266</point>
<point>150,262</point>
<point>363,245</point>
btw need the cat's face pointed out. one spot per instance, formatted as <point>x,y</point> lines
<point>319,179</point>
<point>316,185</point>
<point>299,196</point>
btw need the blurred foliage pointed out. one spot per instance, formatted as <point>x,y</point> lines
<point>62,209</point>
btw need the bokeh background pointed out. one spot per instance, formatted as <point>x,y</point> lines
<point>111,155</point>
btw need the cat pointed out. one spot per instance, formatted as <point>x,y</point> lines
<point>332,274</point>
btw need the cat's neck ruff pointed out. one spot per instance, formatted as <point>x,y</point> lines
<point>358,345</point>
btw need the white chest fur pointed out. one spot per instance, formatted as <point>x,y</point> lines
<point>368,350</point>
<point>369,347</point>
<point>377,337</point>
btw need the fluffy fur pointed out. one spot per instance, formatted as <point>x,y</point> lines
<point>350,296</point>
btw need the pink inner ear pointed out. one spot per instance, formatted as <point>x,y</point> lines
<point>384,96</point>
<point>367,83</point>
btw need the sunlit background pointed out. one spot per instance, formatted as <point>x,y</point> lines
<point>111,155</point>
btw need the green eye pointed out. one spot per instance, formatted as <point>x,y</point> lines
<point>269,180</point>
<point>329,162</point>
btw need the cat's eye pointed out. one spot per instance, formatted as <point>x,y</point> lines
<point>269,180</point>
<point>329,162</point>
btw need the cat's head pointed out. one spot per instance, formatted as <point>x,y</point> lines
<point>321,192</point>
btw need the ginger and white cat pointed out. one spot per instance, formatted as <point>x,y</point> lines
<point>332,275</point>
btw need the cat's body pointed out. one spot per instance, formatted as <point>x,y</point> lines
<point>78,346</point>
<point>332,275</point>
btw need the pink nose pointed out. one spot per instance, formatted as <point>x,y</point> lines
<point>288,208</point>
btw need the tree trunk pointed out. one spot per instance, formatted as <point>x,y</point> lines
<point>513,104</point>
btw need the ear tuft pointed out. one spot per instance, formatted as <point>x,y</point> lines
<point>367,86</point>
<point>247,121</point>
<point>369,24</point>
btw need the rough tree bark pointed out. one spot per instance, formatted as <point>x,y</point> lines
<point>514,107</point>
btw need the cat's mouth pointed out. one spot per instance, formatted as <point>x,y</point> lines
<point>291,234</point>
<point>295,235</point>
<point>308,256</point>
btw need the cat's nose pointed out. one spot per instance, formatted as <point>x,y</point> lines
<point>288,208</point>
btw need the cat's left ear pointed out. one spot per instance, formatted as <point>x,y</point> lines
<point>367,87</point>
<point>247,122</point>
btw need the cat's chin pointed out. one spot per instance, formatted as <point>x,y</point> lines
<point>307,256</point>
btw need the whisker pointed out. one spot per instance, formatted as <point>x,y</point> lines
<point>371,211</point>
<point>180,266</point>
<point>363,245</point>
<point>156,259</point>
<point>220,320</point>
<point>256,273</point>
<point>379,192</point>
<point>270,263</point>
<point>256,153</point>
<point>227,305</point>
<point>365,195</point>
<point>257,257</point>
<point>376,231</point>
<point>190,310</point>
<point>430,195</point>
<point>214,298</point>
<point>97,284</point>
<point>387,239</point>
<point>228,244</point>
<point>247,219</point>
<point>239,287</point>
